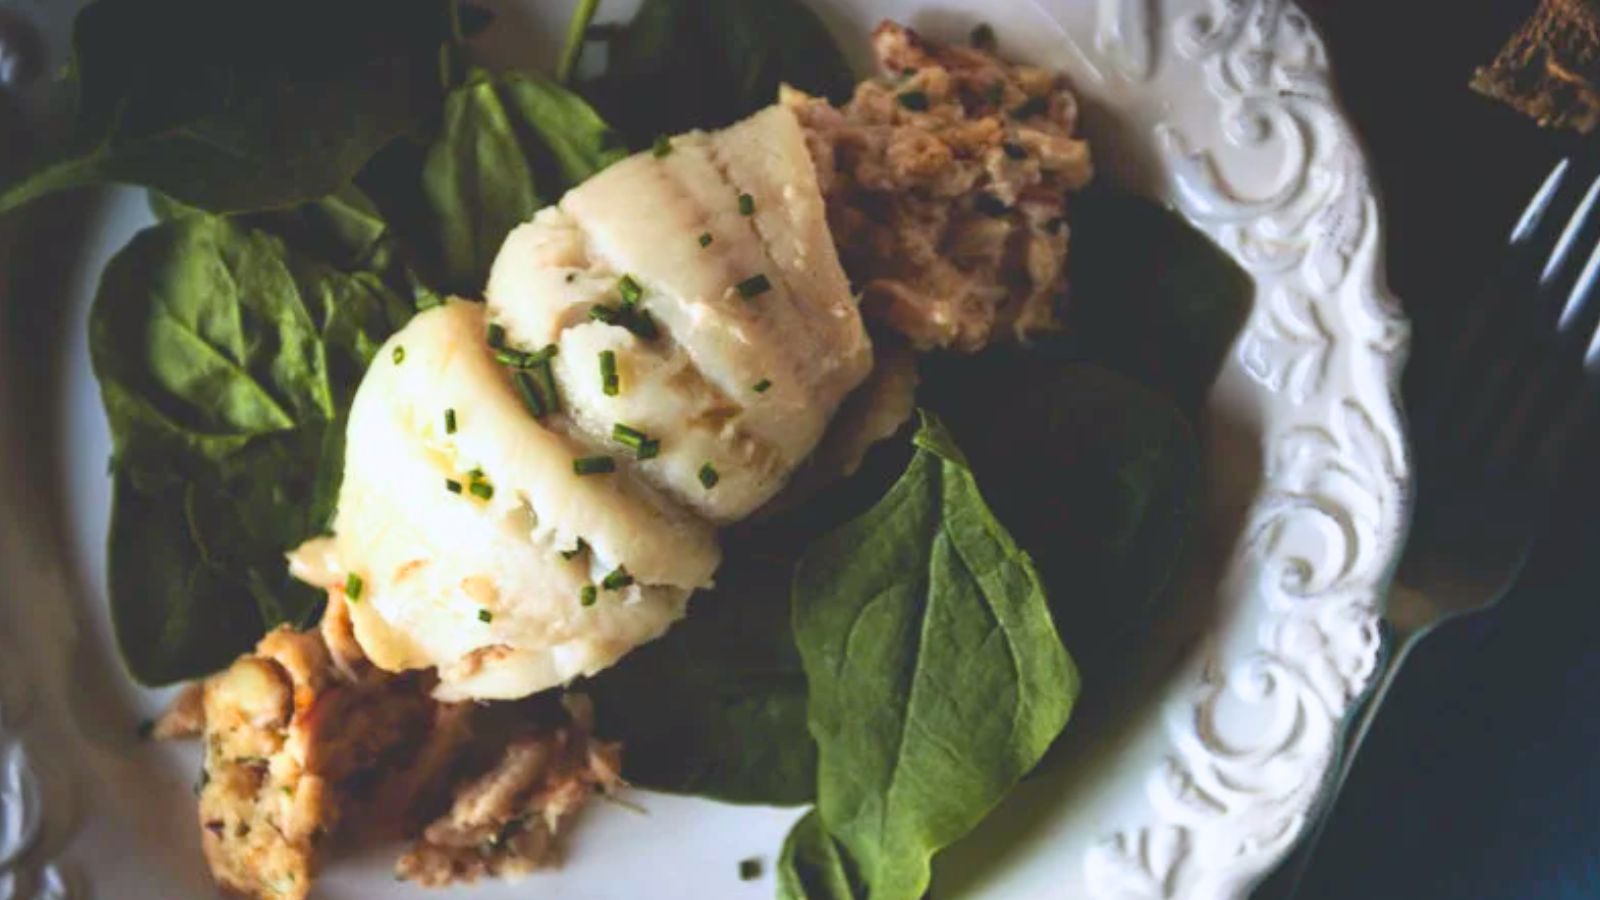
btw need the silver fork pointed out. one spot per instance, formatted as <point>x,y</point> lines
<point>1496,413</point>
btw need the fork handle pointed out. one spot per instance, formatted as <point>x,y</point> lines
<point>1404,635</point>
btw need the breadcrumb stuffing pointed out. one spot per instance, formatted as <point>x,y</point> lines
<point>947,180</point>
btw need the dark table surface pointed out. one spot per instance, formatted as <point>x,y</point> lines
<point>1482,777</point>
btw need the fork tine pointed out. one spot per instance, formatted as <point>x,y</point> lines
<point>1508,380</point>
<point>1544,399</point>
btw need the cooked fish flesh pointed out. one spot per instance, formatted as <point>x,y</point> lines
<point>532,488</point>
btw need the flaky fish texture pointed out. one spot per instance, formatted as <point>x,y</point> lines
<point>700,335</point>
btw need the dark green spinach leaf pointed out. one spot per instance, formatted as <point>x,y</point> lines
<point>1151,297</point>
<point>1096,476</point>
<point>717,707</point>
<point>936,676</point>
<point>812,866</point>
<point>226,364</point>
<point>504,146</point>
<point>683,64</point>
<point>239,106</point>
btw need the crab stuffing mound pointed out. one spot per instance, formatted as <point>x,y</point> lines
<point>306,744</point>
<point>946,181</point>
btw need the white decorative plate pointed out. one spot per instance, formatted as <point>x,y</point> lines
<point>1224,109</point>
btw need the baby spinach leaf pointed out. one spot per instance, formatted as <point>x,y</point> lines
<point>226,364</point>
<point>343,229</point>
<point>1166,320</point>
<point>240,106</point>
<point>717,707</point>
<point>936,676</point>
<point>503,146</point>
<point>682,64</point>
<point>1096,476</point>
<point>812,866</point>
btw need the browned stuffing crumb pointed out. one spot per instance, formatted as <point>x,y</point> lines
<point>1550,69</point>
<point>510,819</point>
<point>185,717</point>
<point>287,740</point>
<point>946,181</point>
<point>301,745</point>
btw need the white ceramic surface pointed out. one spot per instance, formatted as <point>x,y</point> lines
<point>1221,107</point>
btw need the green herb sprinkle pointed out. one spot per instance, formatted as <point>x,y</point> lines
<point>609,383</point>
<point>353,586</point>
<point>594,465</point>
<point>661,147</point>
<point>709,476</point>
<point>399,355</point>
<point>483,490</point>
<point>754,286</point>
<point>916,101</point>
<point>452,485</point>
<point>705,239</point>
<point>762,386</point>
<point>588,595</point>
<point>747,205</point>
<point>616,579</point>
<point>449,421</point>
<point>485,616</point>
<point>497,335</point>
<point>529,392</point>
<point>629,289</point>
<point>1029,108</point>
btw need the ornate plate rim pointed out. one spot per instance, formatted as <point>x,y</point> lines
<point>1316,367</point>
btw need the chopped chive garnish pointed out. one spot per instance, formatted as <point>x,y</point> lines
<point>483,490</point>
<point>545,380</point>
<point>476,474</point>
<point>709,476</point>
<point>990,205</point>
<point>705,239</point>
<point>577,548</point>
<point>983,37</point>
<point>754,286</point>
<point>1030,107</point>
<point>643,325</point>
<point>588,595</point>
<point>603,313</point>
<point>485,616</point>
<point>352,587</point>
<point>399,355</point>
<point>661,147</point>
<point>530,395</point>
<point>1015,151</point>
<point>916,101</point>
<point>497,335</point>
<point>617,578</point>
<point>608,373</point>
<point>749,869</point>
<point>761,386</point>
<point>643,446</point>
<point>571,277</point>
<point>449,421</point>
<point>629,289</point>
<point>747,205</point>
<point>594,465</point>
<point>452,485</point>
<point>516,359</point>
<point>996,93</point>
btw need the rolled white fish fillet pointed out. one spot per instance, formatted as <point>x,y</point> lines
<point>460,510</point>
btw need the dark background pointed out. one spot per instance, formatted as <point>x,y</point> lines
<point>1482,777</point>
